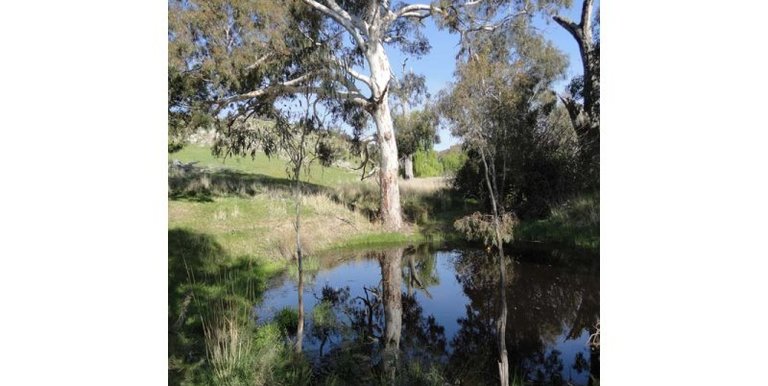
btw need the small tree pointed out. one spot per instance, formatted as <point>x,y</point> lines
<point>294,136</point>
<point>472,121</point>
<point>495,105</point>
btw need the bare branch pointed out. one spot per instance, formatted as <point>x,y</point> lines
<point>373,10</point>
<point>263,91</point>
<point>494,26</point>
<point>296,86</point>
<point>416,9</point>
<point>341,17</point>
<point>586,15</point>
<point>349,70</point>
<point>573,28</point>
<point>259,61</point>
<point>422,11</point>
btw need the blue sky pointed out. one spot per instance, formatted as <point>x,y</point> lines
<point>439,64</point>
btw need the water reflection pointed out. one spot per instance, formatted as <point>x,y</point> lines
<point>413,315</point>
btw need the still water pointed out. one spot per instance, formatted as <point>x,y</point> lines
<point>445,313</point>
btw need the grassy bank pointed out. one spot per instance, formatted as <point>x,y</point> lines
<point>231,231</point>
<point>247,205</point>
<point>211,337</point>
<point>575,223</point>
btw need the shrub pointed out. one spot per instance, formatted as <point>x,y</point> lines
<point>480,227</point>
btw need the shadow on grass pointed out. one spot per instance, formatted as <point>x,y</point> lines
<point>201,185</point>
<point>202,280</point>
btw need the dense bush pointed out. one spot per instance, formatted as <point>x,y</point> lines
<point>528,143</point>
<point>534,181</point>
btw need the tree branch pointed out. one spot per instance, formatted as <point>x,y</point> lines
<point>586,15</point>
<point>259,61</point>
<point>415,9</point>
<point>341,17</point>
<point>296,86</point>
<point>573,28</point>
<point>494,26</point>
<point>349,70</point>
<point>263,91</point>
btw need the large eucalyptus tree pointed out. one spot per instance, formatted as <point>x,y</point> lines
<point>232,60</point>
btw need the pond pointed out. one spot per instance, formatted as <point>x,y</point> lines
<point>437,310</point>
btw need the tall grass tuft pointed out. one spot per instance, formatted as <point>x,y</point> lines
<point>229,349</point>
<point>238,353</point>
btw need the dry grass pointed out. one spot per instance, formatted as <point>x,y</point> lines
<point>325,223</point>
<point>423,186</point>
<point>263,224</point>
<point>228,347</point>
<point>252,214</point>
<point>238,355</point>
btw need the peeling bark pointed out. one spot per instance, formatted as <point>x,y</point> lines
<point>391,212</point>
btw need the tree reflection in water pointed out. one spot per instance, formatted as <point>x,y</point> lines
<point>384,335</point>
<point>546,306</point>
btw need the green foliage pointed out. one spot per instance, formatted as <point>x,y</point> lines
<point>324,321</point>
<point>210,295</point>
<point>323,316</point>
<point>330,148</point>
<point>416,131</point>
<point>506,112</point>
<point>426,164</point>
<point>287,321</point>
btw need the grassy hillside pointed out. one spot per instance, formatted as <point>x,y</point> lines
<point>261,164</point>
<point>247,206</point>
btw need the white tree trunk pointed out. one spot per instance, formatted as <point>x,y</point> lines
<point>391,212</point>
<point>408,166</point>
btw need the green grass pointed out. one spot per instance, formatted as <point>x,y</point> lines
<point>211,337</point>
<point>210,296</point>
<point>247,205</point>
<point>379,239</point>
<point>575,223</point>
<point>261,164</point>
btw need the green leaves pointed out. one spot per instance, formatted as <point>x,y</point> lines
<point>416,131</point>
